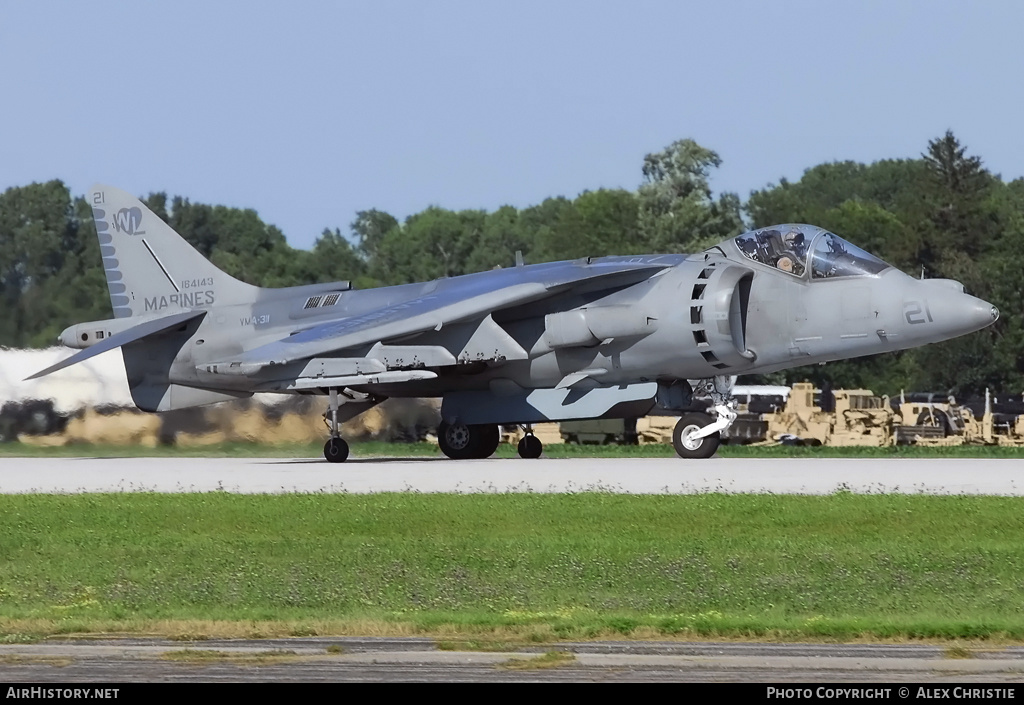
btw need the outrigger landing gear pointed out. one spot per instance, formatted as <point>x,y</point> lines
<point>530,446</point>
<point>461,441</point>
<point>336,449</point>
<point>696,435</point>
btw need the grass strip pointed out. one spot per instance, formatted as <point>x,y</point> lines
<point>201,656</point>
<point>550,659</point>
<point>516,567</point>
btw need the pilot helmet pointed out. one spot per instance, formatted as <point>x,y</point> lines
<point>793,238</point>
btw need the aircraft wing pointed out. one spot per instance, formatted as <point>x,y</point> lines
<point>468,300</point>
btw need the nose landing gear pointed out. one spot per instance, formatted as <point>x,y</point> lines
<point>687,440</point>
<point>696,435</point>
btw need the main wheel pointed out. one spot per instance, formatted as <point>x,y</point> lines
<point>457,440</point>
<point>487,437</point>
<point>530,447</point>
<point>695,448</point>
<point>336,450</point>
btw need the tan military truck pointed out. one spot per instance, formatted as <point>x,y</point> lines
<point>951,424</point>
<point>860,418</point>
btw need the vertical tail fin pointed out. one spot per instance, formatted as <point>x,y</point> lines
<point>150,268</point>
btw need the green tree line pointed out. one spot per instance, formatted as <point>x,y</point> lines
<point>941,215</point>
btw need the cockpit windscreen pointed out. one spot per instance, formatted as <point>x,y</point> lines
<point>784,248</point>
<point>794,248</point>
<point>835,257</point>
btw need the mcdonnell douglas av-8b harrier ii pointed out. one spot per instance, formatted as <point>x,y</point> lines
<point>603,337</point>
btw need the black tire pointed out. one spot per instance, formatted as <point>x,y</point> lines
<point>487,439</point>
<point>457,440</point>
<point>530,447</point>
<point>935,418</point>
<point>703,447</point>
<point>336,450</point>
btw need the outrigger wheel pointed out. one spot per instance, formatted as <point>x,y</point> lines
<point>461,441</point>
<point>688,447</point>
<point>336,450</point>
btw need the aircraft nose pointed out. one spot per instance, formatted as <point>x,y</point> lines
<point>972,313</point>
<point>947,310</point>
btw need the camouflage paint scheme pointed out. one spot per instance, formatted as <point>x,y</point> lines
<point>606,337</point>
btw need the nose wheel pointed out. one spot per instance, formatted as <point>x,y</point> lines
<point>697,435</point>
<point>688,443</point>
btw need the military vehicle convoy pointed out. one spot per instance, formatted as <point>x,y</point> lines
<point>860,418</point>
<point>800,415</point>
<point>803,415</point>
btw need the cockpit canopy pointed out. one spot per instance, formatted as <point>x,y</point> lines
<point>795,249</point>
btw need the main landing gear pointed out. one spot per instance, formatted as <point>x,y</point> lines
<point>461,441</point>
<point>336,449</point>
<point>696,435</point>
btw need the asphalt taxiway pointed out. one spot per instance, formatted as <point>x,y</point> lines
<point>619,475</point>
<point>423,660</point>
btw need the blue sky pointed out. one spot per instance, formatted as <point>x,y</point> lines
<point>311,111</point>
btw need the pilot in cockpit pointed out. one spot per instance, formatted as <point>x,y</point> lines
<point>794,254</point>
<point>797,243</point>
<point>786,249</point>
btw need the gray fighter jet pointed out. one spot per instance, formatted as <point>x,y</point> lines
<point>604,337</point>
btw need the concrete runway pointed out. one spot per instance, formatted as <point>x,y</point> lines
<point>620,475</point>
